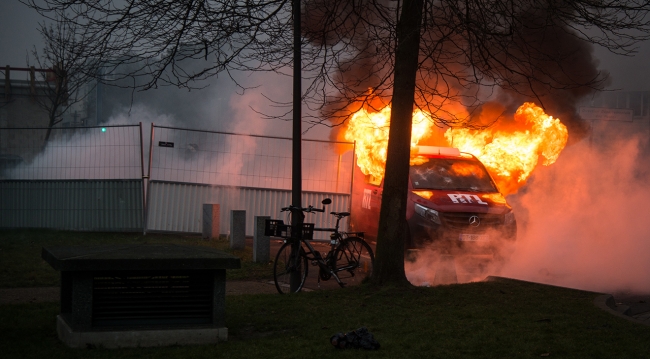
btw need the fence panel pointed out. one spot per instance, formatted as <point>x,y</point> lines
<point>227,159</point>
<point>239,172</point>
<point>82,178</point>
<point>177,207</point>
<point>97,205</point>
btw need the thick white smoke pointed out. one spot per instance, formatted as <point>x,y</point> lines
<point>585,221</point>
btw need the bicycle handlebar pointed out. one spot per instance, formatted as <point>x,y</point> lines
<point>305,209</point>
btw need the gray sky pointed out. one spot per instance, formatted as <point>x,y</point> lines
<point>18,32</point>
<point>18,35</point>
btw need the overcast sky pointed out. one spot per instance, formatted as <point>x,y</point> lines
<point>18,35</point>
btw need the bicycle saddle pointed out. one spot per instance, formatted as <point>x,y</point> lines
<point>340,214</point>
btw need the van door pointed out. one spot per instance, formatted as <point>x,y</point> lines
<point>366,204</point>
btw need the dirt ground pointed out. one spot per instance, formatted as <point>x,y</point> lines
<point>51,294</point>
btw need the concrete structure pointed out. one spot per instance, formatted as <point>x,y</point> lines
<point>138,338</point>
<point>261,242</point>
<point>24,94</point>
<point>211,218</point>
<point>19,107</point>
<point>237,229</point>
<point>141,295</point>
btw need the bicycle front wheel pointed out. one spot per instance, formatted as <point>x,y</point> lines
<point>287,265</point>
<point>354,260</point>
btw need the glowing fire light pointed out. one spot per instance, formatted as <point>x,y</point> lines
<point>509,155</point>
<point>370,131</point>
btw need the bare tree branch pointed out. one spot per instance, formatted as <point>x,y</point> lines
<point>71,75</point>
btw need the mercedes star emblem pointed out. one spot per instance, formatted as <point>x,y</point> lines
<point>474,221</point>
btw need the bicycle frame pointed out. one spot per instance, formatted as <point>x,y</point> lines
<point>343,245</point>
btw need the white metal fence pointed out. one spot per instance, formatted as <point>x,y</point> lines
<point>82,178</point>
<point>91,178</point>
<point>228,159</point>
<point>94,205</point>
<point>177,207</point>
<point>239,172</point>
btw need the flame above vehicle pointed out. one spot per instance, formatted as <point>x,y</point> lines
<point>510,153</point>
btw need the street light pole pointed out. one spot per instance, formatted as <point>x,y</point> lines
<point>296,165</point>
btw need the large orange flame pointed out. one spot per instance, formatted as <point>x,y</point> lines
<point>509,155</point>
<point>370,131</point>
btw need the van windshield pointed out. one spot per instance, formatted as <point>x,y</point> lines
<point>451,174</point>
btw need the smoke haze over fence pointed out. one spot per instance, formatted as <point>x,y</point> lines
<point>181,155</point>
<point>110,152</point>
<point>247,161</point>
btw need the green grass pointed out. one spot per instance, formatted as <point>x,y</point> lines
<point>21,264</point>
<point>506,319</point>
<point>499,319</point>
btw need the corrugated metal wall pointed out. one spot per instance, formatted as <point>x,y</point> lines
<point>177,207</point>
<point>85,205</point>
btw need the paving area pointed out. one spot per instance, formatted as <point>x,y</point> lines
<point>634,305</point>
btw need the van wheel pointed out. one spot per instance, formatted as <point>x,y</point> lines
<point>410,255</point>
<point>408,239</point>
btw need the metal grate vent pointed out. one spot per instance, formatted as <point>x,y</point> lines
<point>138,299</point>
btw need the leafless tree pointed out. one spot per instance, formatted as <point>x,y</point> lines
<point>72,74</point>
<point>429,54</point>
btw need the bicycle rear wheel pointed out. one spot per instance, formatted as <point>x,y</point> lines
<point>285,265</point>
<point>355,260</point>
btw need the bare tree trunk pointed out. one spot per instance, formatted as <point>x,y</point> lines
<point>389,267</point>
<point>52,115</point>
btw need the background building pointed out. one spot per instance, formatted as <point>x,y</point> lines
<point>617,114</point>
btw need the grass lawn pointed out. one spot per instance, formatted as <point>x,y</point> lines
<point>499,319</point>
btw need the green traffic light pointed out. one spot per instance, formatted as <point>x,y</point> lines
<point>103,129</point>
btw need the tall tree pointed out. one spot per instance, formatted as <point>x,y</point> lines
<point>429,54</point>
<point>71,74</point>
<point>392,218</point>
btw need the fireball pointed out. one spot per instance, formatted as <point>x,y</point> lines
<point>370,132</point>
<point>509,155</point>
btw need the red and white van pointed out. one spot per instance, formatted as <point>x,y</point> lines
<point>452,202</point>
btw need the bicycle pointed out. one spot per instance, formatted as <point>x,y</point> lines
<point>349,258</point>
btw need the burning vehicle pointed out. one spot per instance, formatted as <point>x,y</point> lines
<point>453,202</point>
<point>457,188</point>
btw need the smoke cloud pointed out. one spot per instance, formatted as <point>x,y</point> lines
<point>581,223</point>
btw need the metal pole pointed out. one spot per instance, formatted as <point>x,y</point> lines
<point>146,217</point>
<point>144,192</point>
<point>338,174</point>
<point>296,173</point>
<point>7,82</point>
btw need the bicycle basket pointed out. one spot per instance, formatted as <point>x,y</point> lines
<point>307,231</point>
<point>274,228</point>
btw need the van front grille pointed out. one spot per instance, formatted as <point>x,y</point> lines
<point>461,220</point>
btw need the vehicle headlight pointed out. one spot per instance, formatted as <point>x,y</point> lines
<point>428,213</point>
<point>510,218</point>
